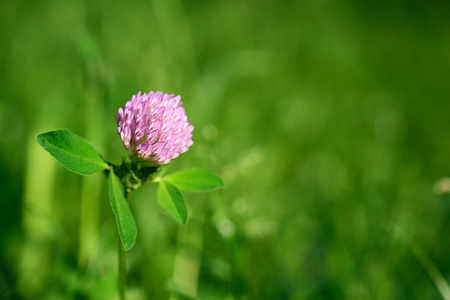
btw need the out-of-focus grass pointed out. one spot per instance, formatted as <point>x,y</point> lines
<point>328,122</point>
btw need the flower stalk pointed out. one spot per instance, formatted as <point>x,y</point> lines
<point>122,283</point>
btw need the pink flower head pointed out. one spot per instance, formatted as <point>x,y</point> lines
<point>154,127</point>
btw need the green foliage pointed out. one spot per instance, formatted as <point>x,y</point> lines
<point>171,200</point>
<point>77,155</point>
<point>125,221</point>
<point>72,151</point>
<point>194,180</point>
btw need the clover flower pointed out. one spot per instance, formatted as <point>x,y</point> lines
<point>154,127</point>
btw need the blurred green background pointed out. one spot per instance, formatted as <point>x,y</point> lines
<point>328,121</point>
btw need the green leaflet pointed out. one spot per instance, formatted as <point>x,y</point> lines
<point>171,200</point>
<point>125,221</point>
<point>194,180</point>
<point>72,151</point>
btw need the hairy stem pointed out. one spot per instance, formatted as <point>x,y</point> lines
<point>122,271</point>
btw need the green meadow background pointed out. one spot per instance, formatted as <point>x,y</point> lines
<point>329,122</point>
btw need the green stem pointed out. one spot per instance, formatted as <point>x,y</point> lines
<point>122,280</point>
<point>122,271</point>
